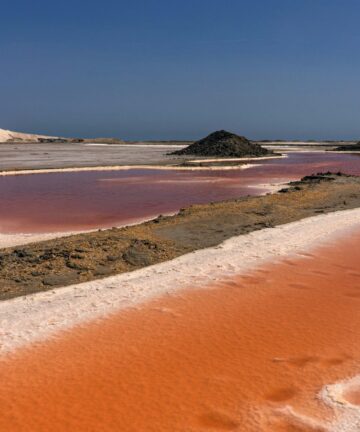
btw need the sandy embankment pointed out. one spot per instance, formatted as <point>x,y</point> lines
<point>35,317</point>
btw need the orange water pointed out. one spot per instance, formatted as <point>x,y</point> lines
<point>353,396</point>
<point>220,359</point>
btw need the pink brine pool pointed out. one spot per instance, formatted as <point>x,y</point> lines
<point>86,200</point>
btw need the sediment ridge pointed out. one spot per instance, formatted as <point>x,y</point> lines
<point>348,147</point>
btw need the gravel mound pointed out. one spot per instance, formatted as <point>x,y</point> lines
<point>223,144</point>
<point>349,147</point>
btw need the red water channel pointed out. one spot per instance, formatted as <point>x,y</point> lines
<point>85,200</point>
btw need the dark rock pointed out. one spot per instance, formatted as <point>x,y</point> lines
<point>60,280</point>
<point>74,265</point>
<point>47,255</point>
<point>33,260</point>
<point>348,147</point>
<point>102,270</point>
<point>222,143</point>
<point>81,250</point>
<point>77,256</point>
<point>159,219</point>
<point>112,257</point>
<point>317,178</point>
<point>22,253</point>
<point>136,257</point>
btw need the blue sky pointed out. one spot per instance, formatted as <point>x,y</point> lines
<point>181,69</point>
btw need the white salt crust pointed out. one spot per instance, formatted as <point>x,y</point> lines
<point>127,167</point>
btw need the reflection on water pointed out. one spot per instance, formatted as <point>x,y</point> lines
<point>71,201</point>
<point>250,355</point>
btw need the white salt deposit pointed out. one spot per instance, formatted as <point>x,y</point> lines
<point>6,135</point>
<point>125,167</point>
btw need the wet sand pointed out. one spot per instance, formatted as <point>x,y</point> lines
<point>251,353</point>
<point>102,199</point>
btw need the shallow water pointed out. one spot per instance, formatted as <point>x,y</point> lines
<point>86,200</point>
<point>353,396</point>
<point>249,354</point>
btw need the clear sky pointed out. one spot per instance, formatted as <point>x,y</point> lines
<point>181,68</point>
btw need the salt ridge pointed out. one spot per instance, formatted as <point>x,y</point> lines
<point>125,168</point>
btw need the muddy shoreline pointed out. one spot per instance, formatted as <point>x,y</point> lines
<point>89,256</point>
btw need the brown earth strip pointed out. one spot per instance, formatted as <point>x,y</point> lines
<point>83,257</point>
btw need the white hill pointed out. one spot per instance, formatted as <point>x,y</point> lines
<point>7,135</point>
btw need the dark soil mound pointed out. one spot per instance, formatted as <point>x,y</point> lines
<point>349,147</point>
<point>222,143</point>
